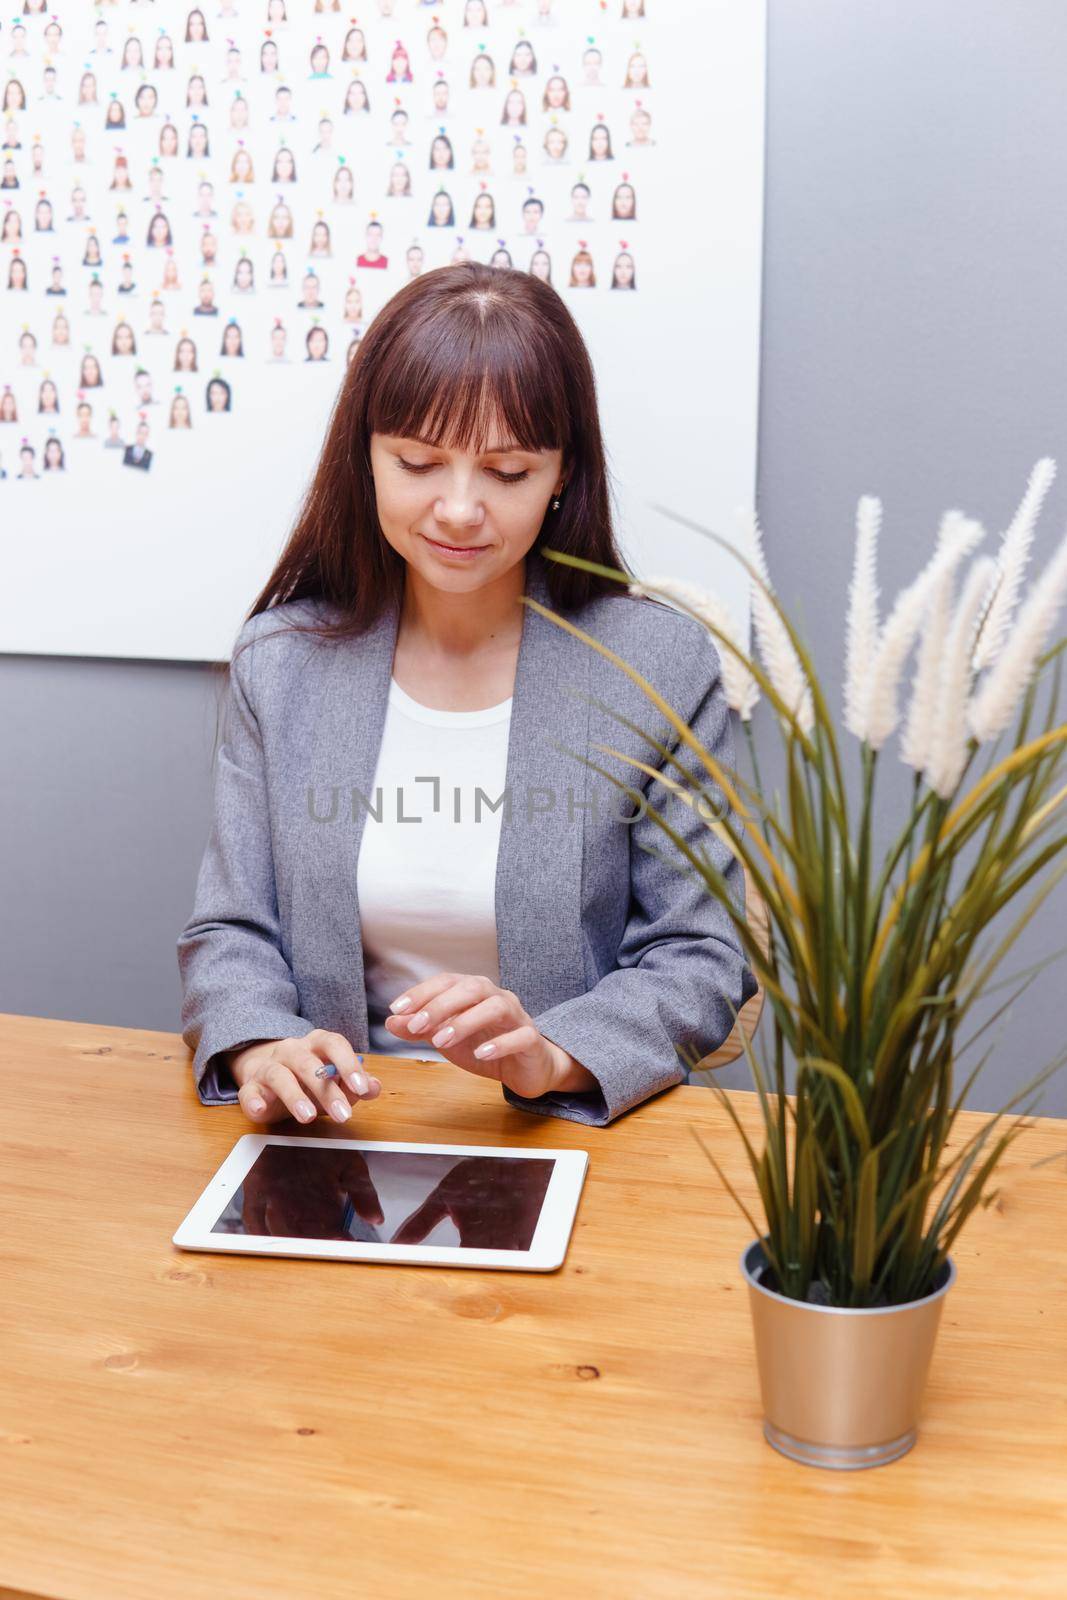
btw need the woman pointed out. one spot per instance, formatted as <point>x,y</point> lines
<point>549,947</point>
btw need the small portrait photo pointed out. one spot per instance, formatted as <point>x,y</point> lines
<point>181,414</point>
<point>244,276</point>
<point>317,344</point>
<point>185,355</point>
<point>483,71</point>
<point>582,273</point>
<point>624,202</point>
<point>232,340</point>
<point>90,375</point>
<point>541,265</point>
<point>138,454</point>
<point>623,275</point>
<point>442,211</point>
<point>123,341</point>
<point>399,65</point>
<point>636,72</point>
<point>218,395</point>
<point>344,185</point>
<point>600,143</point>
<point>483,214</point>
<point>48,398</point>
<point>514,112</point>
<point>54,459</point>
<point>557,96</point>
<point>356,98</point>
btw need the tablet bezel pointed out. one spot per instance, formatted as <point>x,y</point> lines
<point>547,1251</point>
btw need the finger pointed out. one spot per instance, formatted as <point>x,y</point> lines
<point>497,1014</point>
<point>422,1221</point>
<point>338,1050</point>
<point>259,1102</point>
<point>435,1013</point>
<point>412,1000</point>
<point>288,1074</point>
<point>524,1042</point>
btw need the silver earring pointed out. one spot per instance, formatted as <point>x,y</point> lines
<point>555,504</point>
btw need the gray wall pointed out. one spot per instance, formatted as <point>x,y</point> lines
<point>914,330</point>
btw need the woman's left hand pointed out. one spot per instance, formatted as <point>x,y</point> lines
<point>485,1030</point>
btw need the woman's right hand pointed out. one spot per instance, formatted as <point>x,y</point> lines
<point>275,1078</point>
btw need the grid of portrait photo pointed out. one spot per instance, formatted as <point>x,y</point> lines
<point>202,208</point>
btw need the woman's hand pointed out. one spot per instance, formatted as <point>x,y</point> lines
<point>485,1030</point>
<point>276,1078</point>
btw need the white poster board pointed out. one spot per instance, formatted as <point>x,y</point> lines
<point>101,555</point>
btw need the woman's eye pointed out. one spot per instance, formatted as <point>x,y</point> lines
<point>410,466</point>
<point>511,477</point>
<point>502,477</point>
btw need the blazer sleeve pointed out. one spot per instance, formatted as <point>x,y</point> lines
<point>236,984</point>
<point>679,959</point>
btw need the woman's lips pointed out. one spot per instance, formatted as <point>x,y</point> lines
<point>457,552</point>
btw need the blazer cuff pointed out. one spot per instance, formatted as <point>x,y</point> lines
<point>577,1105</point>
<point>214,1080</point>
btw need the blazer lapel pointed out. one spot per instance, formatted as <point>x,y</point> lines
<point>539,862</point>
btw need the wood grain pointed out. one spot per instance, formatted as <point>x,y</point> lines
<point>177,1425</point>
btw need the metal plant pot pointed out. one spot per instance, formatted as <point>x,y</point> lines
<point>841,1388</point>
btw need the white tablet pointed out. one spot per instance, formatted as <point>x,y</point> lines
<point>436,1205</point>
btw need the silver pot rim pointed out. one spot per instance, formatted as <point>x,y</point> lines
<point>843,1311</point>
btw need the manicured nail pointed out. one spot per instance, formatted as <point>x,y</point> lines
<point>340,1110</point>
<point>358,1082</point>
<point>256,1106</point>
<point>442,1037</point>
<point>419,1020</point>
<point>484,1050</point>
<point>305,1109</point>
<point>401,1004</point>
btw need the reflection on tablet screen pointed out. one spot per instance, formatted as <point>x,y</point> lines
<point>390,1196</point>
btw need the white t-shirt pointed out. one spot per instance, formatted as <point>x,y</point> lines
<point>426,888</point>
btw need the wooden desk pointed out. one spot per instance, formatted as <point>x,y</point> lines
<point>176,1425</point>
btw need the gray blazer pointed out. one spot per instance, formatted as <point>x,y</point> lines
<point>617,954</point>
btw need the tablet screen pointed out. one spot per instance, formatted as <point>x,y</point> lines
<point>312,1191</point>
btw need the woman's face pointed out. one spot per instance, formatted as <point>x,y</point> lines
<point>320,58</point>
<point>285,167</point>
<point>239,113</point>
<point>164,52</point>
<point>598,142</point>
<point>49,396</point>
<point>198,139</point>
<point>268,56</point>
<point>481,151</point>
<point>168,143</point>
<point>180,412</point>
<point>398,179</point>
<point>482,72</point>
<point>624,270</point>
<point>216,397</point>
<point>555,143</point>
<point>123,339</point>
<point>27,349</point>
<point>320,237</point>
<point>353,304</point>
<point>625,200</point>
<point>440,152</point>
<point>61,331</point>
<point>242,166</point>
<point>524,57</point>
<point>196,29</point>
<point>197,93</point>
<point>186,355</point>
<point>243,275</point>
<point>583,270</point>
<point>159,229</point>
<point>540,266</point>
<point>638,70</point>
<point>43,215</point>
<point>146,100</point>
<point>91,372</point>
<point>399,63</point>
<point>317,344</point>
<point>441,209</point>
<point>232,340</point>
<point>514,106</point>
<point>556,93</point>
<point>18,275</point>
<point>483,211</point>
<point>461,500</point>
<point>342,184</point>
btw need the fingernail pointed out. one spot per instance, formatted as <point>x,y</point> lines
<point>484,1050</point>
<point>357,1082</point>
<point>442,1037</point>
<point>419,1020</point>
<point>305,1109</point>
<point>401,1004</point>
<point>340,1110</point>
<point>257,1106</point>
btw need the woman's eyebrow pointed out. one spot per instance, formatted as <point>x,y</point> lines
<point>493,450</point>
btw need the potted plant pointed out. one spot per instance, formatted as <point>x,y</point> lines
<point>873,959</point>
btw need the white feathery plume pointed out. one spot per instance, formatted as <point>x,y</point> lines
<point>1012,557</point>
<point>739,686</point>
<point>996,699</point>
<point>957,537</point>
<point>775,646</point>
<point>861,636</point>
<point>947,754</point>
<point>917,739</point>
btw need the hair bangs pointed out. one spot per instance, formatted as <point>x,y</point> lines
<point>473,394</point>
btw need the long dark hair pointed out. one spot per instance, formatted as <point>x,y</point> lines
<point>449,346</point>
